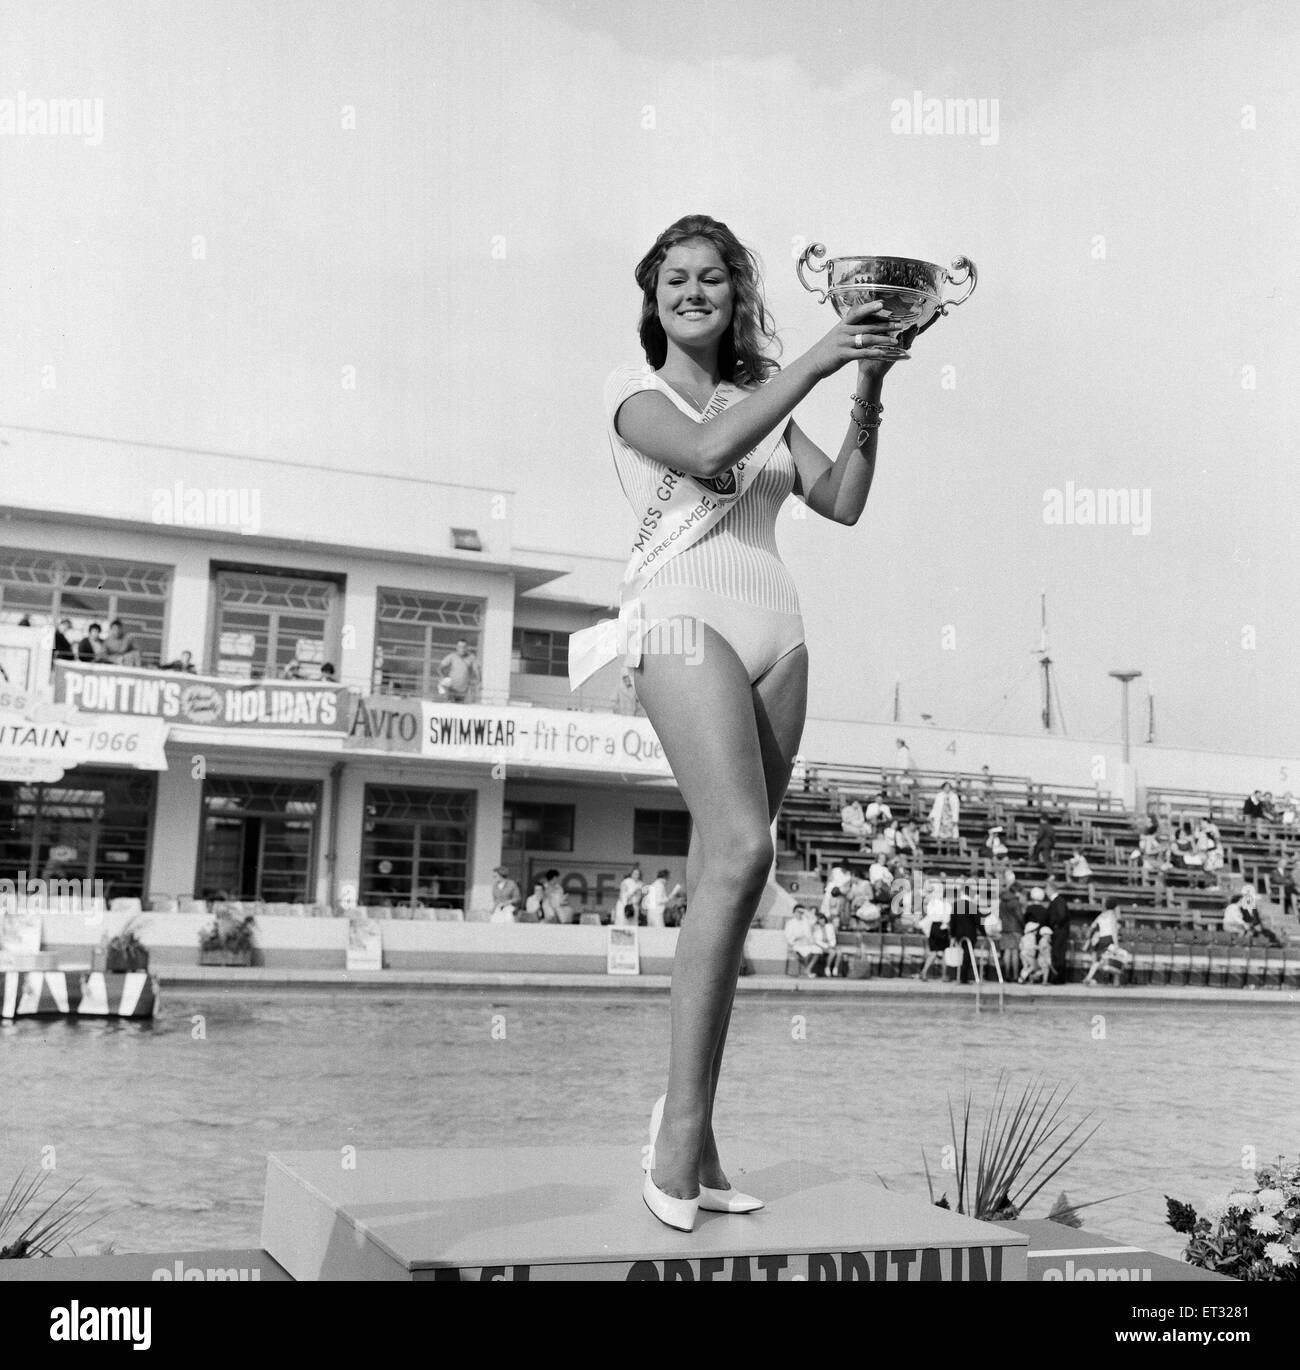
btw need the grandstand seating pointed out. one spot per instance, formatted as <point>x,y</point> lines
<point>1172,924</point>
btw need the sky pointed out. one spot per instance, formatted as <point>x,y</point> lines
<point>450,198</point>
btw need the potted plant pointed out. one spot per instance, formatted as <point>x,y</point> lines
<point>125,952</point>
<point>32,1226</point>
<point>227,940</point>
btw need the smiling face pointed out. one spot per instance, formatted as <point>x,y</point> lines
<point>694,295</point>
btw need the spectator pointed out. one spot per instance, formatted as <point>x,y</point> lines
<point>964,930</point>
<point>533,905</point>
<point>824,936</point>
<point>327,673</point>
<point>1032,969</point>
<point>63,641</point>
<point>1255,924</point>
<point>628,905</point>
<point>1270,809</point>
<point>184,662</point>
<point>945,816</point>
<point>458,673</point>
<point>800,940</point>
<point>1077,868</point>
<point>91,647</point>
<point>1011,911</point>
<point>505,892</point>
<point>675,909</point>
<point>1253,807</point>
<point>120,648</point>
<point>885,842</point>
<point>293,670</point>
<point>1234,920</point>
<point>909,839</point>
<point>934,924</point>
<point>1208,848</point>
<point>878,812</point>
<point>881,880</point>
<point>838,883</point>
<point>1287,812</point>
<point>555,901</point>
<point>1044,843</point>
<point>986,785</point>
<point>1103,933</point>
<point>901,777</point>
<point>1058,921</point>
<point>853,822</point>
<point>864,911</point>
<point>625,701</point>
<point>996,847</point>
<point>656,898</point>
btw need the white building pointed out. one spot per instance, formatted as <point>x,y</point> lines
<point>289,790</point>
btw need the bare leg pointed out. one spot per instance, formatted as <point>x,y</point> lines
<point>703,712</point>
<point>780,704</point>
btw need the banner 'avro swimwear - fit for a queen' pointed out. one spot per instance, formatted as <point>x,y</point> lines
<point>685,507</point>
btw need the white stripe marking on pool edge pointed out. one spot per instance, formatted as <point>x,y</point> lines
<point>1092,1251</point>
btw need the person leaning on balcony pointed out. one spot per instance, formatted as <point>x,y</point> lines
<point>184,663</point>
<point>91,647</point>
<point>63,650</point>
<point>628,905</point>
<point>555,901</point>
<point>457,673</point>
<point>120,648</point>
<point>505,891</point>
<point>532,909</point>
<point>625,695</point>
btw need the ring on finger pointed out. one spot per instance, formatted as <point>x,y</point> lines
<point>858,340</point>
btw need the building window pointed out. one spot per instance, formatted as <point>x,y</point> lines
<point>92,825</point>
<point>414,632</point>
<point>539,651</point>
<point>274,626</point>
<point>47,587</point>
<point>415,847</point>
<point>259,839</point>
<point>661,832</point>
<point>537,827</point>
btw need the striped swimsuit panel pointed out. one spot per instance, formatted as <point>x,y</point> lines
<point>738,559</point>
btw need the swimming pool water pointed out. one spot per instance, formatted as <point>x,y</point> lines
<point>172,1122</point>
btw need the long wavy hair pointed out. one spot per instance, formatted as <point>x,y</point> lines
<point>742,355</point>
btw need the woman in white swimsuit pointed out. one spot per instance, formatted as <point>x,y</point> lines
<point>723,668</point>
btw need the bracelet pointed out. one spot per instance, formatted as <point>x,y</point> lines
<point>873,412</point>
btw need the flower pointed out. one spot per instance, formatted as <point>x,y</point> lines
<point>1242,1201</point>
<point>1265,1224</point>
<point>1270,1200</point>
<point>1278,1254</point>
<point>1214,1207</point>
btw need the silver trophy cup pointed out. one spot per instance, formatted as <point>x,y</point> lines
<point>911,291</point>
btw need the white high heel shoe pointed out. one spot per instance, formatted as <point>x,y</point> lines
<point>671,1211</point>
<point>729,1200</point>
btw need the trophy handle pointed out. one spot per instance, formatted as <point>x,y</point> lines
<point>813,250</point>
<point>960,264</point>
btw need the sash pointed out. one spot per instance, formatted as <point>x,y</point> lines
<point>682,510</point>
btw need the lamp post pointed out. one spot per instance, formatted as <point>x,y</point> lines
<point>1124,677</point>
